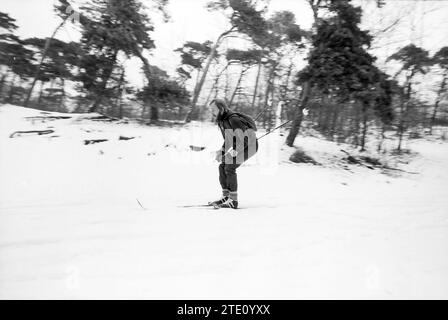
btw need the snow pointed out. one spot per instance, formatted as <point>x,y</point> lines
<point>71,226</point>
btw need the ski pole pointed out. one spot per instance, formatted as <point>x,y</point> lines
<point>264,109</point>
<point>305,113</point>
<point>275,129</point>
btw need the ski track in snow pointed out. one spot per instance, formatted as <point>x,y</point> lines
<point>71,227</point>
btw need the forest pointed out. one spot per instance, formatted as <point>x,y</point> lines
<point>326,77</point>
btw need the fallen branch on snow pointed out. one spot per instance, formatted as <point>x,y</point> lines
<point>48,118</point>
<point>196,148</point>
<point>39,132</point>
<point>125,138</point>
<point>86,142</point>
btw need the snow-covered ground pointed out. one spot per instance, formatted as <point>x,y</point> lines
<point>71,226</point>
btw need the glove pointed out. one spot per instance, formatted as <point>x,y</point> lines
<point>218,155</point>
<point>233,153</point>
<point>230,156</point>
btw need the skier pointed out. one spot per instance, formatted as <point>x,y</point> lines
<point>240,143</point>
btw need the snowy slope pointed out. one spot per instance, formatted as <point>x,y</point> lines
<point>71,227</point>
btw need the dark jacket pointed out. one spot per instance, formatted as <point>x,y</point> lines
<point>244,139</point>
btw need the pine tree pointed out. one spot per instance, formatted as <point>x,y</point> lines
<point>14,55</point>
<point>61,60</point>
<point>440,59</point>
<point>247,59</point>
<point>193,56</point>
<point>415,60</point>
<point>161,90</point>
<point>340,67</point>
<point>111,28</point>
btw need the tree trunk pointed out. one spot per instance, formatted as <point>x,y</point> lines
<point>120,109</point>
<point>284,90</point>
<point>401,125</point>
<point>364,127</point>
<point>404,108</point>
<point>357,121</point>
<point>215,84</point>
<point>105,78</point>
<point>237,87</point>
<point>143,110</point>
<point>400,138</point>
<point>120,95</point>
<point>11,89</point>
<point>146,65</point>
<point>198,88</point>
<point>211,92</point>
<point>226,85</point>
<point>271,111</point>
<point>334,120</point>
<point>295,128</point>
<point>198,74</point>
<point>44,54</point>
<point>154,112</point>
<point>269,86</point>
<point>2,84</point>
<point>41,90</point>
<point>61,103</point>
<point>256,86</point>
<point>321,114</point>
<point>383,137</point>
<point>315,8</point>
<point>436,105</point>
<point>50,107</point>
<point>434,115</point>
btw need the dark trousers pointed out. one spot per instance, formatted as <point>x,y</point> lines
<point>227,172</point>
<point>227,176</point>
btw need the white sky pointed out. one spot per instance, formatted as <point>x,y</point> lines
<point>190,21</point>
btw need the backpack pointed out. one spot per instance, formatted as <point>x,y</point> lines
<point>248,121</point>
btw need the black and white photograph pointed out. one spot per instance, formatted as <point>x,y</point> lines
<point>191,150</point>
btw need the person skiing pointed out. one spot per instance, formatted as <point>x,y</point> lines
<point>240,143</point>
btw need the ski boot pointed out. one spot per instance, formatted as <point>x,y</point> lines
<point>218,202</point>
<point>229,203</point>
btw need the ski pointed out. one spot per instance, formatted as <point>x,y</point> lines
<point>140,204</point>
<point>211,206</point>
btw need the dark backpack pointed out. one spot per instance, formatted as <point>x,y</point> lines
<point>244,118</point>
